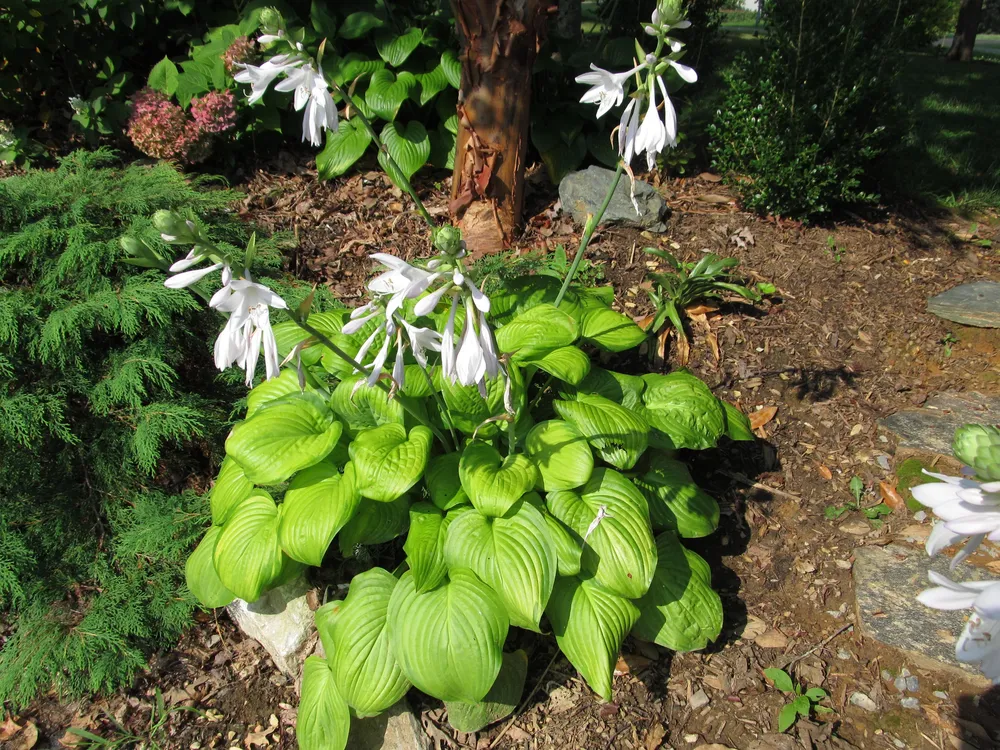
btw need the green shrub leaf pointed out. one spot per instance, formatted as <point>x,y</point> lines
<point>324,720</point>
<point>202,579</point>
<point>231,488</point>
<point>499,703</point>
<point>676,503</point>
<point>448,641</point>
<point>387,92</point>
<point>362,664</point>
<point>618,435</point>
<point>343,148</point>
<point>494,483</point>
<point>590,624</point>
<point>680,611</point>
<point>610,330</point>
<point>164,77</point>
<point>388,462</point>
<point>513,554</point>
<point>683,408</point>
<point>247,556</point>
<point>561,454</point>
<point>537,331</point>
<point>619,550</point>
<point>424,546</point>
<point>284,436</point>
<point>395,48</point>
<point>373,523</point>
<point>319,501</point>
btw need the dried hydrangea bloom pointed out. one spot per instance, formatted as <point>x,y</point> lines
<point>215,112</point>
<point>157,126</point>
<point>242,50</point>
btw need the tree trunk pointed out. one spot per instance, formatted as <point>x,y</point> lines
<point>499,40</point>
<point>569,23</point>
<point>965,31</point>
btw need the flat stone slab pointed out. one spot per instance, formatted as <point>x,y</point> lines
<point>886,583</point>
<point>395,729</point>
<point>583,192</point>
<point>930,429</point>
<point>281,621</point>
<point>974,304</point>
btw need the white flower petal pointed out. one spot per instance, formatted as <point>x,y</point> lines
<point>685,72</point>
<point>428,303</point>
<point>942,597</point>
<point>977,523</point>
<point>187,278</point>
<point>480,300</point>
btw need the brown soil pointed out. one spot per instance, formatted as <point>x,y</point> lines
<point>844,342</point>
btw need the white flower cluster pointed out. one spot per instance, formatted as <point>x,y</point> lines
<point>969,510</point>
<point>300,75</point>
<point>248,303</point>
<point>638,133</point>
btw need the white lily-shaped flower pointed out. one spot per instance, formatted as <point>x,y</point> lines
<point>968,510</point>
<point>607,88</point>
<point>313,94</point>
<point>261,76</point>
<point>248,328</point>
<point>979,642</point>
<point>654,134</point>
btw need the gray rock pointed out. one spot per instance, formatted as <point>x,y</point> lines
<point>698,700</point>
<point>863,701</point>
<point>931,428</point>
<point>583,192</point>
<point>281,622</point>
<point>395,729</point>
<point>887,581</point>
<point>973,304</point>
<point>911,703</point>
<point>774,742</point>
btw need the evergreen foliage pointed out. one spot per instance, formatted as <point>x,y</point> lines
<point>108,406</point>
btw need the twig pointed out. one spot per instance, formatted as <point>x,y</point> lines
<point>524,703</point>
<point>759,485</point>
<point>818,646</point>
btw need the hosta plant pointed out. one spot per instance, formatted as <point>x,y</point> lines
<point>525,486</point>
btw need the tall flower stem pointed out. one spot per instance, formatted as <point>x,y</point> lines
<point>445,413</point>
<point>398,175</point>
<point>588,232</point>
<point>325,341</point>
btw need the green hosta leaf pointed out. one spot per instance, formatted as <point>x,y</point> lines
<point>410,147</point>
<point>358,24</point>
<point>324,720</point>
<point>494,483</point>
<point>559,156</point>
<point>164,77</point>
<point>499,703</point>
<point>388,463</point>
<point>247,556</point>
<point>352,66</point>
<point>780,678</point>
<point>561,454</point>
<point>361,407</point>
<point>680,611</point>
<point>513,554</point>
<point>737,424</point>
<point>443,483</point>
<point>432,83</point>
<point>567,543</point>
<point>536,331</point>
<point>684,409</point>
<point>525,292</point>
<point>610,330</point>
<point>362,664</point>
<point>343,148</point>
<point>618,435</point>
<point>448,641</point>
<point>452,68</point>
<point>387,92</point>
<point>424,546</point>
<point>619,551</point>
<point>590,624</point>
<point>319,501</point>
<point>231,488</point>
<point>374,523</point>
<point>469,410</point>
<point>200,573</point>
<point>442,148</point>
<point>395,48</point>
<point>676,503</point>
<point>614,386</point>
<point>285,384</point>
<point>284,436</point>
<point>567,363</point>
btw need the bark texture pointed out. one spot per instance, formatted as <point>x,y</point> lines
<point>500,40</point>
<point>966,29</point>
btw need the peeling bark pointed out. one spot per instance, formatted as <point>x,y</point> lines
<point>500,40</point>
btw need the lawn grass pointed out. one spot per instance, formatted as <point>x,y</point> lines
<point>950,158</point>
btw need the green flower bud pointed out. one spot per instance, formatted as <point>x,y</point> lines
<point>670,12</point>
<point>271,21</point>
<point>978,446</point>
<point>448,240</point>
<point>173,228</point>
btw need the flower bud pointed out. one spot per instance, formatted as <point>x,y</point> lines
<point>448,240</point>
<point>669,12</point>
<point>174,228</point>
<point>271,21</point>
<point>978,446</point>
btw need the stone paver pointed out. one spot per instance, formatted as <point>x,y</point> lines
<point>974,304</point>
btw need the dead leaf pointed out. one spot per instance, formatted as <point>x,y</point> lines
<point>754,627</point>
<point>654,738</point>
<point>700,310</point>
<point>890,497</point>
<point>858,528</point>
<point>8,729</point>
<point>824,472</point>
<point>761,417</point>
<point>621,666</point>
<point>713,198</point>
<point>713,342</point>
<point>771,639</point>
<point>645,322</point>
<point>18,737</point>
<point>709,177</point>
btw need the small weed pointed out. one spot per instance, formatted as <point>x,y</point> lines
<point>497,267</point>
<point>873,513</point>
<point>803,702</point>
<point>126,738</point>
<point>947,341</point>
<point>831,247</point>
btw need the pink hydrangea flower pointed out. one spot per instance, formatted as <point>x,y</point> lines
<point>242,50</point>
<point>156,125</point>
<point>215,112</point>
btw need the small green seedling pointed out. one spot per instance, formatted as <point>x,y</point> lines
<point>873,513</point>
<point>803,702</point>
<point>766,289</point>
<point>836,252</point>
<point>947,341</point>
<point>147,738</point>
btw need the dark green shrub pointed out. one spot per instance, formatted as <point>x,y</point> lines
<point>801,127</point>
<point>107,405</point>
